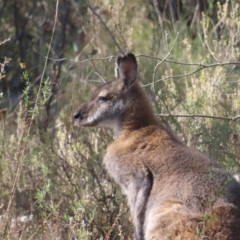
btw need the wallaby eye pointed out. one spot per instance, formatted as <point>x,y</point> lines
<point>103,99</point>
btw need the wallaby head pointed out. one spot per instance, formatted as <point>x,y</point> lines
<point>111,104</point>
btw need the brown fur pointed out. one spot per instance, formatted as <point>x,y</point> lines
<point>173,191</point>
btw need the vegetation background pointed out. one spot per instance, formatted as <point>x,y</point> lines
<point>54,53</point>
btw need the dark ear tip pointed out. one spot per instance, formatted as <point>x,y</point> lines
<point>132,57</point>
<point>128,56</point>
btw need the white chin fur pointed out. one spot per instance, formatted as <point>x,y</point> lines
<point>111,123</point>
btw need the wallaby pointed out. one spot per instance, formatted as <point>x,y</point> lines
<point>173,191</point>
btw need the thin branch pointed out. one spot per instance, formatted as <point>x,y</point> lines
<point>100,77</point>
<point>158,15</point>
<point>218,64</point>
<point>158,64</point>
<point>48,52</point>
<point>106,27</point>
<point>97,72</point>
<point>165,105</point>
<point>207,47</point>
<point>198,116</point>
<point>4,41</point>
<point>177,76</point>
<point>75,61</point>
<point>57,66</point>
<point>201,66</point>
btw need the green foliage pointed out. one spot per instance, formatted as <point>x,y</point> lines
<point>50,169</point>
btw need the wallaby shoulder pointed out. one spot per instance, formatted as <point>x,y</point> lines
<point>156,145</point>
<point>156,149</point>
<point>143,139</point>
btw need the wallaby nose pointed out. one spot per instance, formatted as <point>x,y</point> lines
<point>76,115</point>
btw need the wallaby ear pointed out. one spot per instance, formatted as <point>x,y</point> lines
<point>126,69</point>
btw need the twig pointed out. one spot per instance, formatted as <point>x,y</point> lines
<point>106,27</point>
<point>57,66</point>
<point>177,76</point>
<point>48,52</point>
<point>158,64</point>
<point>198,116</point>
<point>75,61</point>
<point>114,223</point>
<point>4,41</point>
<point>97,72</point>
<point>201,66</point>
<point>218,64</point>
<point>159,17</point>
<point>206,46</point>
<point>100,77</point>
<point>54,209</point>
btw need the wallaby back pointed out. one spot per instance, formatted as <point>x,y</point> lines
<point>173,191</point>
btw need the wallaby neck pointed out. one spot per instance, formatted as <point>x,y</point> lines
<point>138,112</point>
